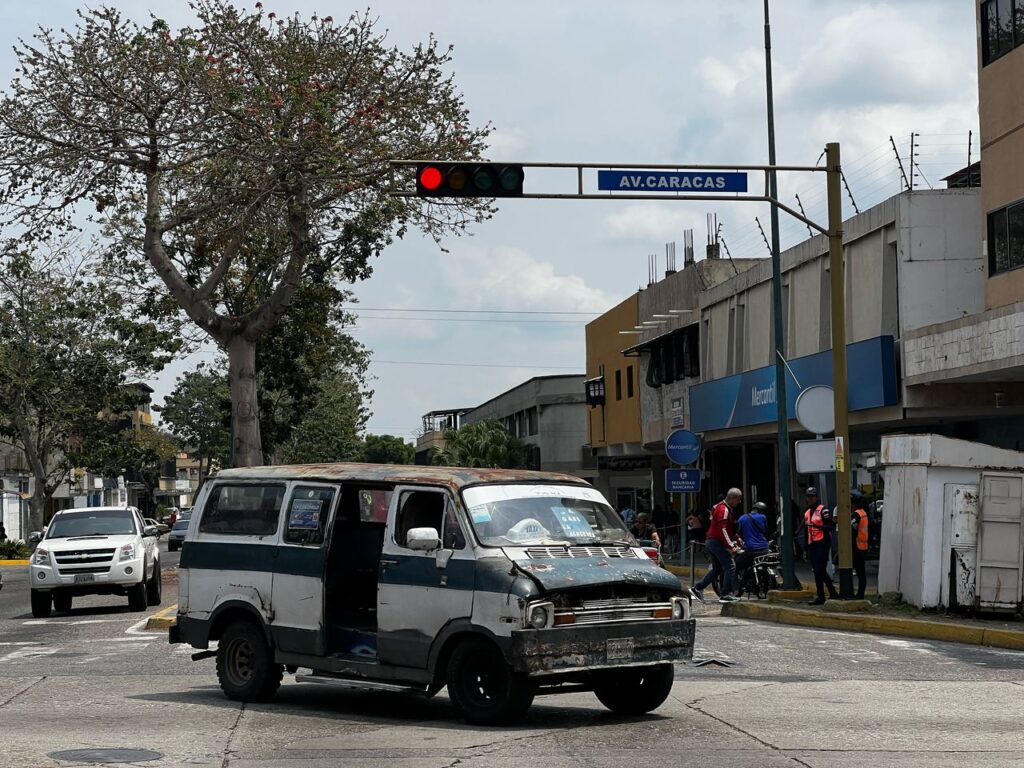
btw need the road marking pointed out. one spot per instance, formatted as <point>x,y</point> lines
<point>120,640</point>
<point>55,622</point>
<point>23,643</point>
<point>29,653</point>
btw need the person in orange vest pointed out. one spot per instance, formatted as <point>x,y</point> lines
<point>818,525</point>
<point>859,521</point>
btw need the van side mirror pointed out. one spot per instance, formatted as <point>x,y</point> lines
<point>423,539</point>
<point>35,537</point>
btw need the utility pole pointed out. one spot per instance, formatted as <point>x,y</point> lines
<point>842,433</point>
<point>781,403</point>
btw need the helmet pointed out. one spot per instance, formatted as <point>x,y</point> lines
<point>761,506</point>
<point>812,491</point>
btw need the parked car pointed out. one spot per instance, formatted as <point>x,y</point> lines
<point>161,528</point>
<point>177,536</point>
<point>95,551</point>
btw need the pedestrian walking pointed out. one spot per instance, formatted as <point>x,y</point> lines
<point>721,544</point>
<point>3,531</point>
<point>818,524</point>
<point>859,521</point>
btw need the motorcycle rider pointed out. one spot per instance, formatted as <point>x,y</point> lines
<point>753,528</point>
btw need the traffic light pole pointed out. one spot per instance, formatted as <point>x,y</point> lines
<point>834,233</point>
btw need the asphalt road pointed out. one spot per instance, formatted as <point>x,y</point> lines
<point>791,697</point>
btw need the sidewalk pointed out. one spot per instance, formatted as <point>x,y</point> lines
<point>790,607</point>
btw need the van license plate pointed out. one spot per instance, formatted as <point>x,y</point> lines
<point>80,577</point>
<point>619,648</point>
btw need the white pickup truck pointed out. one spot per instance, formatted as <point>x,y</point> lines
<point>95,551</point>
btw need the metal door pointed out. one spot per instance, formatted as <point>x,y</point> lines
<point>999,541</point>
<point>420,592</point>
<point>961,542</point>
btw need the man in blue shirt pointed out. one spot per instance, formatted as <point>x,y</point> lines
<point>754,532</point>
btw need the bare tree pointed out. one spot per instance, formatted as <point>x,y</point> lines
<point>239,157</point>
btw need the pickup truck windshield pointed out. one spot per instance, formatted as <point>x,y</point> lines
<point>532,515</point>
<point>112,522</point>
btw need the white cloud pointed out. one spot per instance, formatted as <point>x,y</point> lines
<point>655,223</point>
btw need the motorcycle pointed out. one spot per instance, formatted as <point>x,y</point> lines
<point>760,576</point>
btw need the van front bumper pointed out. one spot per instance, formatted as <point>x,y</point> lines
<point>579,649</point>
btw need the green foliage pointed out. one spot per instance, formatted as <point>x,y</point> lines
<point>483,444</point>
<point>330,430</point>
<point>12,549</point>
<point>198,413</point>
<point>387,449</point>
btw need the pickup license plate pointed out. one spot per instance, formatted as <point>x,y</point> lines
<point>80,577</point>
<point>619,648</point>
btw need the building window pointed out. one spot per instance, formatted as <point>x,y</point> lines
<point>1006,239</point>
<point>595,390</point>
<point>629,381</point>
<point>618,384</point>
<point>1002,28</point>
<point>532,419</point>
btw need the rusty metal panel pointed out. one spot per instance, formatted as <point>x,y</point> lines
<point>999,541</point>
<point>570,649</point>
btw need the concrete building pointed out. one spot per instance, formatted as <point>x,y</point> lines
<point>910,262</point>
<point>549,415</point>
<point>431,437</point>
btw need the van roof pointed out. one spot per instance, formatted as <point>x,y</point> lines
<point>452,477</point>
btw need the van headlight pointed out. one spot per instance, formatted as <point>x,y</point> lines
<point>680,608</point>
<point>41,556</point>
<point>538,615</point>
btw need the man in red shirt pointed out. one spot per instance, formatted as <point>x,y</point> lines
<point>721,543</point>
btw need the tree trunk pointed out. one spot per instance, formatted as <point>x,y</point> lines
<point>246,445</point>
<point>35,514</point>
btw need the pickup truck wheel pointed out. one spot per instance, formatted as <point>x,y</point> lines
<point>245,664</point>
<point>172,547</point>
<point>41,604</point>
<point>154,587</point>
<point>483,687</point>
<point>634,691</point>
<point>61,602</point>
<point>137,597</point>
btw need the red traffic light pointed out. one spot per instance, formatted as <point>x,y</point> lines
<point>430,177</point>
<point>472,179</point>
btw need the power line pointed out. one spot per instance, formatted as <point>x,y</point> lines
<point>358,308</point>
<point>466,320</point>
<point>480,365</point>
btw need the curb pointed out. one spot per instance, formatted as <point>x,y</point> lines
<point>884,625</point>
<point>163,619</point>
<point>13,562</point>
<point>684,570</point>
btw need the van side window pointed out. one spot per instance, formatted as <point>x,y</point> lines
<point>308,511</point>
<point>428,509</point>
<point>243,510</point>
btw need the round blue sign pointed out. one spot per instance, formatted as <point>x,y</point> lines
<point>683,447</point>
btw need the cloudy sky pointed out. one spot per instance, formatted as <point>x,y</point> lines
<point>644,81</point>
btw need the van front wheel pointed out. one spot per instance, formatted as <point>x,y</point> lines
<point>483,687</point>
<point>245,664</point>
<point>634,691</point>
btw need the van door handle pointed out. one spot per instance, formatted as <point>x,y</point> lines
<point>388,562</point>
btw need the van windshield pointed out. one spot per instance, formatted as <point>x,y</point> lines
<point>531,515</point>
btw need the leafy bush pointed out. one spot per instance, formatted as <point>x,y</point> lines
<point>14,550</point>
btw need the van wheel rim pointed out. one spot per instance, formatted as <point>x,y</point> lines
<point>239,665</point>
<point>483,683</point>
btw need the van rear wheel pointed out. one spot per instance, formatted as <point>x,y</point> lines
<point>245,664</point>
<point>636,690</point>
<point>483,687</point>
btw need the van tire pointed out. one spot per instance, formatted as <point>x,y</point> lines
<point>245,663</point>
<point>154,587</point>
<point>636,690</point>
<point>42,604</point>
<point>61,602</point>
<point>483,687</point>
<point>137,596</point>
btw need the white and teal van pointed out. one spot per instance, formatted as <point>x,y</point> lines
<point>501,585</point>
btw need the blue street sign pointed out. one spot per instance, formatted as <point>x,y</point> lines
<point>682,480</point>
<point>683,447</point>
<point>672,181</point>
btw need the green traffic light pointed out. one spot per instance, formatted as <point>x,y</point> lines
<point>511,178</point>
<point>483,179</point>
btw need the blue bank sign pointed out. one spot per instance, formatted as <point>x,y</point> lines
<point>671,181</point>
<point>682,447</point>
<point>682,481</point>
<point>749,398</point>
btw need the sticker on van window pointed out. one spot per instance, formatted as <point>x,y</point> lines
<point>305,514</point>
<point>573,523</point>
<point>480,514</point>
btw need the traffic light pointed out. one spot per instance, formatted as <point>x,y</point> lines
<point>469,180</point>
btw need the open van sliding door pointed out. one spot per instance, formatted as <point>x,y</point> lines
<point>298,588</point>
<point>420,592</point>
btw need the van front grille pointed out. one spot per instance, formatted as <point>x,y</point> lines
<point>537,553</point>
